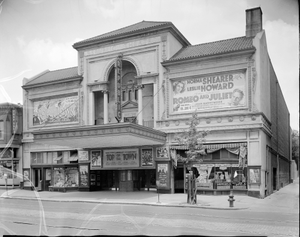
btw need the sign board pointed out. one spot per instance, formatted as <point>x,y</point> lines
<point>213,92</point>
<point>118,88</point>
<point>121,158</point>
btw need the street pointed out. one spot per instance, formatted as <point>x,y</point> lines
<point>33,217</point>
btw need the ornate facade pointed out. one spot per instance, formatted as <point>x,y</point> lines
<point>110,123</point>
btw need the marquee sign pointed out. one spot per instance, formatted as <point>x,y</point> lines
<point>227,90</point>
<point>121,158</point>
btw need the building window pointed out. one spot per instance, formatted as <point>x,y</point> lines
<point>216,155</point>
<point>136,94</point>
<point>1,129</point>
<point>123,95</point>
<point>129,95</point>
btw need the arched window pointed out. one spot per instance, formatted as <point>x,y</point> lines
<point>129,95</point>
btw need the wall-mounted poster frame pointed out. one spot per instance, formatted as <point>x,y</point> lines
<point>254,174</point>
<point>163,175</point>
<point>96,159</point>
<point>83,156</point>
<point>147,159</point>
<point>26,175</point>
<point>162,153</point>
<point>84,176</point>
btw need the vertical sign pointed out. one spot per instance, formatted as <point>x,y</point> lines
<point>118,88</point>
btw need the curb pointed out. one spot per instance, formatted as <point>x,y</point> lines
<point>130,203</point>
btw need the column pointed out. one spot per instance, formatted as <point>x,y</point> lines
<point>140,105</point>
<point>91,108</point>
<point>105,106</point>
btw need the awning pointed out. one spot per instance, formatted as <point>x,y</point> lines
<point>101,136</point>
<point>212,146</point>
<point>73,158</point>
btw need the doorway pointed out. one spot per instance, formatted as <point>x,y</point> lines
<point>37,179</point>
<point>274,179</point>
<point>179,180</point>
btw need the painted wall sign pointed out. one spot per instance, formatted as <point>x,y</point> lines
<point>118,88</point>
<point>220,91</point>
<point>121,158</point>
<point>56,110</point>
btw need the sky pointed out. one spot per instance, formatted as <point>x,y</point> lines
<point>36,35</point>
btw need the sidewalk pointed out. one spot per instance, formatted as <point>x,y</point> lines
<point>285,200</point>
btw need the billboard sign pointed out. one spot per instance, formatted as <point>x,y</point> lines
<point>220,91</point>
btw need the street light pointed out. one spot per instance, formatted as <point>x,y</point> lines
<point>5,178</point>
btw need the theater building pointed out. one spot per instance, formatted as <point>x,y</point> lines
<point>10,144</point>
<point>110,123</point>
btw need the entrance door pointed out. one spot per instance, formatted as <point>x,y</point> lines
<point>274,179</point>
<point>47,174</point>
<point>37,173</point>
<point>179,180</point>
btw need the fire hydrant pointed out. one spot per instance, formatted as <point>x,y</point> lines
<point>231,200</point>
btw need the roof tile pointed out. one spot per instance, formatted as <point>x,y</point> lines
<point>212,48</point>
<point>54,76</point>
<point>143,25</point>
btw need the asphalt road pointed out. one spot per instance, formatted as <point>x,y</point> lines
<point>31,217</point>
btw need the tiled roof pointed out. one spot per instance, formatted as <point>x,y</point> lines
<point>213,48</point>
<point>138,27</point>
<point>54,76</point>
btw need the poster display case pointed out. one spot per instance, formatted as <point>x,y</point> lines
<point>163,175</point>
<point>84,176</point>
<point>254,175</point>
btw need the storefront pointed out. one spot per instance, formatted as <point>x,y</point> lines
<point>223,168</point>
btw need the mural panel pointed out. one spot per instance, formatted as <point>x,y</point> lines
<point>227,90</point>
<point>56,110</point>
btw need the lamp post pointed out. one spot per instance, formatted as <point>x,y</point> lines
<point>157,185</point>
<point>5,178</point>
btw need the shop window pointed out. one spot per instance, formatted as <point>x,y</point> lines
<point>73,156</point>
<point>207,157</point>
<point>45,158</point>
<point>36,158</point>
<point>59,177</point>
<point>239,178</point>
<point>49,157</point>
<point>71,177</point>
<point>60,157</point>
<point>66,156</point>
<point>226,155</point>
<point>216,155</point>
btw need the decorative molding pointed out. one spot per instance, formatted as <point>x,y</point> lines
<point>219,120</point>
<point>230,119</point>
<point>242,118</point>
<point>208,121</point>
<point>253,117</point>
<point>164,50</point>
